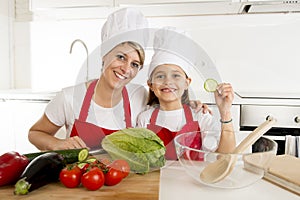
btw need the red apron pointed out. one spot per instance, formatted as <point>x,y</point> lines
<point>168,136</point>
<point>92,134</point>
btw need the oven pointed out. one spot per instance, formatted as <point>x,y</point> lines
<point>286,131</point>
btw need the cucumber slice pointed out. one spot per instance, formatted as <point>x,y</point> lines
<point>81,164</point>
<point>210,85</point>
<point>83,155</point>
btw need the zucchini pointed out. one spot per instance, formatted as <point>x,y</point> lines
<point>70,155</point>
<point>40,171</point>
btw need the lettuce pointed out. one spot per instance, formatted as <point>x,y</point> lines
<point>140,147</point>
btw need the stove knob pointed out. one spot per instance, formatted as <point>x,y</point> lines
<point>297,119</point>
<point>269,117</point>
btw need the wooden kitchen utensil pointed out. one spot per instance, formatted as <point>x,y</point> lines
<point>218,170</point>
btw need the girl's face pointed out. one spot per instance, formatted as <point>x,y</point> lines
<point>168,83</point>
<point>121,65</point>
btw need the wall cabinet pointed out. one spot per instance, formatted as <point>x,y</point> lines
<point>28,10</point>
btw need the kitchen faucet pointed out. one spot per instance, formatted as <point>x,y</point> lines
<point>87,55</point>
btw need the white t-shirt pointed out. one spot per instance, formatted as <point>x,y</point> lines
<point>66,106</point>
<point>174,121</point>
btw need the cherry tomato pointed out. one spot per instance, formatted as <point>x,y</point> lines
<point>121,165</point>
<point>93,179</point>
<point>105,161</point>
<point>85,167</point>
<point>70,176</point>
<point>113,176</point>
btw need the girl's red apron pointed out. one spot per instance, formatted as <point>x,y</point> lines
<point>168,136</point>
<point>91,134</point>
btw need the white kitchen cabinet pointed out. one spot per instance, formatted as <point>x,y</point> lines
<point>17,116</point>
<point>31,10</point>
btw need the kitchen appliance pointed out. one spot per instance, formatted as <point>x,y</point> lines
<point>285,108</point>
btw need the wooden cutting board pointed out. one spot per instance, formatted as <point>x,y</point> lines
<point>284,170</point>
<point>135,186</point>
<point>286,167</point>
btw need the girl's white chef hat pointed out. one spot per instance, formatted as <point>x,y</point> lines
<point>126,24</point>
<point>171,46</point>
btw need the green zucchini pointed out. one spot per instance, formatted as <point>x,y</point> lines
<point>70,155</point>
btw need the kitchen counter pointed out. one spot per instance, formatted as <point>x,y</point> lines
<point>133,187</point>
<point>239,99</point>
<point>176,184</point>
<point>171,182</point>
<point>26,94</point>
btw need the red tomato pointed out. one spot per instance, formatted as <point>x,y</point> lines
<point>105,161</point>
<point>93,179</point>
<point>85,167</point>
<point>121,165</point>
<point>113,176</point>
<point>70,176</point>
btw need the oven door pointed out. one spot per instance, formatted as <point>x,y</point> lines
<point>288,142</point>
<point>286,131</point>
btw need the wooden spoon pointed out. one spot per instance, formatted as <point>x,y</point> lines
<point>222,167</point>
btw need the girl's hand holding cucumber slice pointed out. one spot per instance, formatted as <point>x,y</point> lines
<point>224,96</point>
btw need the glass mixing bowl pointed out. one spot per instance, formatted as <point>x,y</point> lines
<point>246,168</point>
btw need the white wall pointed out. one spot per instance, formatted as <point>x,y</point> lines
<point>258,53</point>
<point>254,52</point>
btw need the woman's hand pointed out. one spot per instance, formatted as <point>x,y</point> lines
<point>70,143</point>
<point>198,106</point>
<point>42,135</point>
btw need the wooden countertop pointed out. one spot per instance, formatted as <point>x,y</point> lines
<point>134,187</point>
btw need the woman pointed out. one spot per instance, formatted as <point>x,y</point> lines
<point>170,114</point>
<point>94,109</point>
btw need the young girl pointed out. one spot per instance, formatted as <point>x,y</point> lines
<point>170,114</point>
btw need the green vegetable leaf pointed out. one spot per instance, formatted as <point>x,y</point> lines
<point>142,148</point>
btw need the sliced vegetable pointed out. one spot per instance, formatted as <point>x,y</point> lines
<point>12,164</point>
<point>70,155</point>
<point>83,155</point>
<point>140,147</point>
<point>210,85</point>
<point>40,171</point>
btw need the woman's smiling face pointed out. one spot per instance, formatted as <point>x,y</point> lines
<point>121,65</point>
<point>168,82</point>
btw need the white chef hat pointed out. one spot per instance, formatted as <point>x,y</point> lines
<point>126,24</point>
<point>171,46</point>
